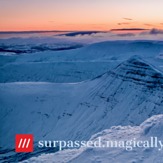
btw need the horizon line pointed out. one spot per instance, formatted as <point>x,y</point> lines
<point>42,31</point>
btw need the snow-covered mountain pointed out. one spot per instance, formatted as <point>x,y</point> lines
<point>152,127</point>
<point>78,64</point>
<point>126,95</point>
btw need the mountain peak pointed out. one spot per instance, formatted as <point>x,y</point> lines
<point>137,70</point>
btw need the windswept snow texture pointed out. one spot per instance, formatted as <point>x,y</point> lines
<point>126,95</point>
<point>74,94</point>
<point>151,127</point>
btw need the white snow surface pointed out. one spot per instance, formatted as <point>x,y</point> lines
<point>127,95</point>
<point>152,127</point>
<point>76,65</point>
<point>80,94</point>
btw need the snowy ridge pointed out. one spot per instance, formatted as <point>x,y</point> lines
<point>118,96</point>
<point>79,110</point>
<point>139,71</point>
<point>152,127</point>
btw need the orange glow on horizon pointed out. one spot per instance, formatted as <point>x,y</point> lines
<point>63,15</point>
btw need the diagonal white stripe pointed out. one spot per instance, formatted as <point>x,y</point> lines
<point>20,143</point>
<point>28,143</point>
<point>24,143</point>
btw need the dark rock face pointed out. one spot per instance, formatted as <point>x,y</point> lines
<point>137,71</point>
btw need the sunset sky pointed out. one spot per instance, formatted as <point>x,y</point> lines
<point>22,15</point>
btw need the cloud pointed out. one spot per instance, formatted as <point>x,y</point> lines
<point>148,24</point>
<point>128,29</point>
<point>155,31</point>
<point>126,35</point>
<point>127,19</point>
<point>124,23</point>
<point>81,33</point>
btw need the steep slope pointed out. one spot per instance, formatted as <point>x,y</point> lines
<point>126,95</point>
<point>150,128</point>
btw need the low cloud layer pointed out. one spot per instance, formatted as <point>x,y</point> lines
<point>155,31</point>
